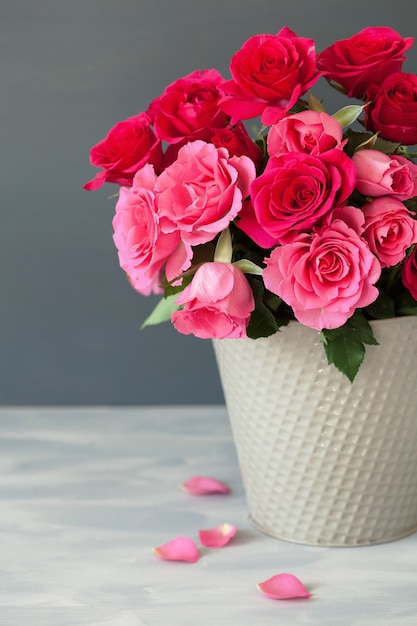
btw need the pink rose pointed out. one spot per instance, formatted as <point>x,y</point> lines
<point>127,146</point>
<point>202,191</point>
<point>309,131</point>
<point>270,73</point>
<point>393,108</point>
<point>368,57</point>
<point>142,248</point>
<point>216,304</point>
<point>409,273</point>
<point>189,108</point>
<point>238,143</point>
<point>297,190</point>
<point>378,174</point>
<point>389,229</point>
<point>327,275</point>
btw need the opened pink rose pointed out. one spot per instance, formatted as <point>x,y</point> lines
<point>392,109</point>
<point>269,74</point>
<point>296,191</point>
<point>327,275</point>
<point>390,229</point>
<point>309,131</point>
<point>189,108</point>
<point>368,57</point>
<point>216,304</point>
<point>127,146</point>
<point>143,248</point>
<point>378,174</point>
<point>202,191</point>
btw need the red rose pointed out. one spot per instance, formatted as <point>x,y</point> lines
<point>269,72</point>
<point>296,191</point>
<point>368,57</point>
<point>393,108</point>
<point>238,143</point>
<point>189,108</point>
<point>409,273</point>
<point>126,148</point>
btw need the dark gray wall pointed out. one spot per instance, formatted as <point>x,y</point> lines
<point>69,322</point>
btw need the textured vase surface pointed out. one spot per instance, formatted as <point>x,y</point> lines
<point>325,461</point>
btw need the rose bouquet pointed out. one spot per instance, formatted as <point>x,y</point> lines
<point>310,218</point>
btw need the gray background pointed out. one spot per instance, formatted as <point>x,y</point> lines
<point>70,69</point>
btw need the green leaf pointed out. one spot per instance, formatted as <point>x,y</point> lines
<point>224,249</point>
<point>360,140</point>
<point>162,312</point>
<point>368,143</point>
<point>315,104</point>
<point>385,146</point>
<point>346,355</point>
<point>344,346</point>
<point>348,114</point>
<point>362,328</point>
<point>357,139</point>
<point>170,290</point>
<point>248,267</point>
<point>262,322</point>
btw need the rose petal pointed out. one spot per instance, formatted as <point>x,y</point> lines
<point>217,537</point>
<point>204,485</point>
<point>283,587</point>
<point>178,549</point>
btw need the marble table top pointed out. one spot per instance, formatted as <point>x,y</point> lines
<point>86,492</point>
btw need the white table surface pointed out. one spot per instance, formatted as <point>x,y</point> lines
<point>85,493</point>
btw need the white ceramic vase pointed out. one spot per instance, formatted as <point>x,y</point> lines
<point>325,461</point>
